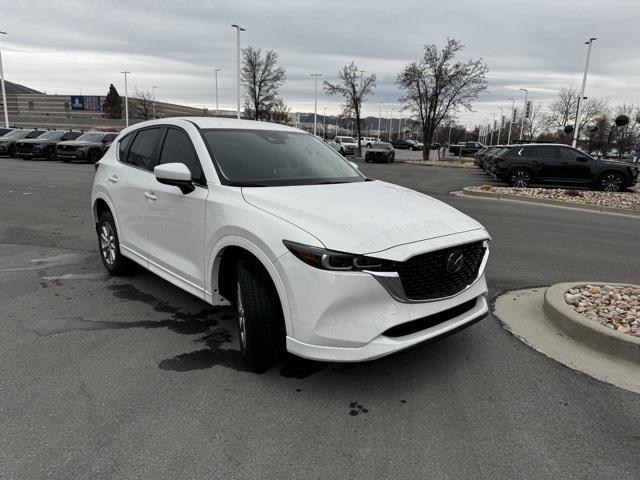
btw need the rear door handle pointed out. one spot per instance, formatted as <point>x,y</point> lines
<point>113,178</point>
<point>150,196</point>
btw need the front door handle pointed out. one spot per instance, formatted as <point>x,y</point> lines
<point>113,178</point>
<point>150,196</point>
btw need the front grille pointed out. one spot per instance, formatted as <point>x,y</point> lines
<point>431,321</point>
<point>66,148</point>
<point>24,147</point>
<point>433,275</point>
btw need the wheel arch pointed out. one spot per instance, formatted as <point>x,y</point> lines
<point>227,253</point>
<point>100,204</point>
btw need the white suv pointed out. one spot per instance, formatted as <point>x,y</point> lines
<point>315,257</point>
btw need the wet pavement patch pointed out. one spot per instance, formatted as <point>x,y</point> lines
<point>356,409</point>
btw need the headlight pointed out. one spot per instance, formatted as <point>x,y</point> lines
<point>331,260</point>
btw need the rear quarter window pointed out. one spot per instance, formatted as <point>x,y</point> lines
<point>123,146</point>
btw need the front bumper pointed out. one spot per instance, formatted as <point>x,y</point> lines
<point>75,154</point>
<point>343,316</point>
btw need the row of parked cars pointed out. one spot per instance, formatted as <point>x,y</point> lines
<point>65,145</point>
<point>524,165</point>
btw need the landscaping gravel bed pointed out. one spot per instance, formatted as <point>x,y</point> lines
<point>442,163</point>
<point>626,200</point>
<point>616,307</point>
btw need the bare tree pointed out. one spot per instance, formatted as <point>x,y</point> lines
<point>562,111</point>
<point>437,84</point>
<point>142,104</point>
<point>626,137</point>
<point>537,121</point>
<point>280,111</point>
<point>354,88</point>
<point>262,77</point>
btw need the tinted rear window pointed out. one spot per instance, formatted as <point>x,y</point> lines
<point>143,148</point>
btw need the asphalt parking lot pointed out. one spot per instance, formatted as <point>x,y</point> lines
<point>132,378</point>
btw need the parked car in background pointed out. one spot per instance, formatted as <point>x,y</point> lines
<point>89,147</point>
<point>45,145</point>
<point>524,165</point>
<point>380,152</point>
<point>8,141</point>
<point>368,141</point>
<point>313,256</point>
<point>415,145</point>
<point>4,131</point>
<point>467,148</point>
<point>344,145</point>
<point>400,144</point>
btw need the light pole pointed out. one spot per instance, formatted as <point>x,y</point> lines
<point>215,71</point>
<point>324,124</point>
<point>4,93</point>
<point>153,100</point>
<point>524,111</point>
<point>238,30</point>
<point>390,122</point>
<point>513,103</point>
<point>315,101</point>
<point>493,127</point>
<point>126,99</point>
<point>500,124</point>
<point>584,83</point>
<point>379,121</point>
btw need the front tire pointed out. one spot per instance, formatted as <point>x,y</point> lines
<point>260,322</point>
<point>520,178</point>
<point>94,156</point>
<point>109,245</point>
<point>611,182</point>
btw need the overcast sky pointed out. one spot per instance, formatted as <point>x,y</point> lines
<point>73,47</point>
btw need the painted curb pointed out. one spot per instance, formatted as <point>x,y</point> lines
<point>585,330</point>
<point>547,201</point>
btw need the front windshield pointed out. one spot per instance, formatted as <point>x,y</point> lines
<point>90,137</point>
<point>17,134</point>
<point>51,136</point>
<point>347,140</point>
<point>271,158</point>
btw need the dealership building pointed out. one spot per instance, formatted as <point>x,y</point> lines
<point>32,109</point>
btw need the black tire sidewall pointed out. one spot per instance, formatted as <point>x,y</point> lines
<point>121,265</point>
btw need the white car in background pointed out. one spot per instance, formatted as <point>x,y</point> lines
<point>314,257</point>
<point>344,145</point>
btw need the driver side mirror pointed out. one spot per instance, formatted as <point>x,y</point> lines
<point>176,174</point>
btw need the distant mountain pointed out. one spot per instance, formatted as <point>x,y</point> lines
<point>17,89</point>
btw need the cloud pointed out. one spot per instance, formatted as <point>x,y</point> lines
<point>68,46</point>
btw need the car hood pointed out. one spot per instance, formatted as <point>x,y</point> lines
<point>35,140</point>
<point>379,150</point>
<point>363,217</point>
<point>613,161</point>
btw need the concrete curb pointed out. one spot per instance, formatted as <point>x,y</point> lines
<point>547,201</point>
<point>585,330</point>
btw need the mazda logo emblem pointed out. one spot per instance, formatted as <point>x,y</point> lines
<point>454,262</point>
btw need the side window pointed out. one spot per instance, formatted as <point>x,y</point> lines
<point>529,152</point>
<point>143,149</point>
<point>178,149</point>
<point>71,135</point>
<point>568,154</point>
<point>123,146</point>
<point>548,152</point>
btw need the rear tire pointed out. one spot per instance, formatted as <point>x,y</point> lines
<point>51,155</point>
<point>109,246</point>
<point>260,322</point>
<point>94,156</point>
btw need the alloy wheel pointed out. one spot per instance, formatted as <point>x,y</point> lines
<point>107,244</point>
<point>520,179</point>
<point>611,182</point>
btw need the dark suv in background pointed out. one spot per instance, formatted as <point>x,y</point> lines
<point>8,141</point>
<point>523,165</point>
<point>89,147</point>
<point>45,145</point>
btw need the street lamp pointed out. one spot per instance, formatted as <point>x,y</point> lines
<point>126,99</point>
<point>238,30</point>
<point>215,71</point>
<point>4,93</point>
<point>584,83</point>
<point>500,124</point>
<point>379,121</point>
<point>324,124</point>
<point>513,106</point>
<point>315,102</point>
<point>493,127</point>
<point>524,112</point>
<point>153,100</point>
